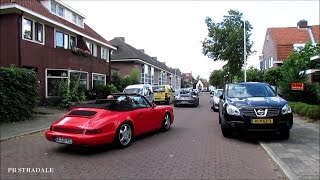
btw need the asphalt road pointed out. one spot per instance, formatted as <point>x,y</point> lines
<point>193,148</point>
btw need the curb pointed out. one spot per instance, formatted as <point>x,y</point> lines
<point>23,134</point>
<point>287,171</point>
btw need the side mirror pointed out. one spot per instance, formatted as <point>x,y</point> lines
<point>211,95</point>
<point>221,96</point>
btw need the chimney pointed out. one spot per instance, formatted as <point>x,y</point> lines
<point>302,24</point>
<point>121,38</point>
<point>155,58</point>
<point>142,50</point>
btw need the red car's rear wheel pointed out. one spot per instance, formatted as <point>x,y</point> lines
<point>124,135</point>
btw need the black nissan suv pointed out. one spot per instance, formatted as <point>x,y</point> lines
<point>254,106</point>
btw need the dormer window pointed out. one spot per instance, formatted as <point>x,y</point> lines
<point>74,18</point>
<point>60,11</point>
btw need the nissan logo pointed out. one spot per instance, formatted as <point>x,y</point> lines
<point>260,112</point>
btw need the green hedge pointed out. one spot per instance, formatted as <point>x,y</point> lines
<point>307,110</point>
<point>18,93</point>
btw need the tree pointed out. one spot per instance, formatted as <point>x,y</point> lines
<point>116,80</point>
<point>273,76</point>
<point>225,41</point>
<point>294,69</point>
<point>253,75</point>
<point>216,78</point>
<point>134,76</point>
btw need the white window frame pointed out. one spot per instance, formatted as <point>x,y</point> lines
<point>105,78</point>
<point>57,10</point>
<point>64,33</point>
<point>56,77</point>
<point>271,62</point>
<point>33,28</point>
<point>105,53</point>
<point>76,18</point>
<point>71,71</point>
<point>93,51</point>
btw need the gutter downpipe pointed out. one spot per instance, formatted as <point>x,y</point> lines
<point>19,39</point>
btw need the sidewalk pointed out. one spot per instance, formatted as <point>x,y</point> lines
<point>298,157</point>
<point>42,120</point>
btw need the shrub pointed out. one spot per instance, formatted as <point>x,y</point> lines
<point>308,110</point>
<point>18,93</point>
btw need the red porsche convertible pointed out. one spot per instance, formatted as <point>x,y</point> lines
<point>110,121</point>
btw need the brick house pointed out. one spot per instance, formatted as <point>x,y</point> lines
<point>152,71</point>
<point>280,42</point>
<point>187,79</point>
<point>46,36</point>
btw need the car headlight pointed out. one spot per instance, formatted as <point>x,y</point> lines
<point>232,110</point>
<point>286,109</point>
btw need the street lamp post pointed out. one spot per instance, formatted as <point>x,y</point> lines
<point>244,46</point>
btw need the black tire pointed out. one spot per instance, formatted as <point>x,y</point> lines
<point>285,134</point>
<point>166,123</point>
<point>226,130</point>
<point>124,135</point>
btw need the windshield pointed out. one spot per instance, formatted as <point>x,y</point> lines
<point>133,90</point>
<point>158,88</point>
<point>250,90</point>
<point>217,93</point>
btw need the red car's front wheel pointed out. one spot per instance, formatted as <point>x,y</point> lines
<point>166,122</point>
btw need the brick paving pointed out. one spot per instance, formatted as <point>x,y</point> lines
<point>193,148</point>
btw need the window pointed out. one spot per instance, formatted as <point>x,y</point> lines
<point>92,48</point>
<point>53,7</point>
<point>32,30</point>
<point>72,42</point>
<point>74,18</point>
<point>98,79</point>
<point>105,53</point>
<point>57,76</point>
<point>39,32</point>
<point>82,77</point>
<point>59,39</point>
<point>64,40</point>
<point>54,79</point>
<point>27,28</point>
<point>142,73</point>
<point>80,21</point>
<point>270,62</point>
<point>60,11</point>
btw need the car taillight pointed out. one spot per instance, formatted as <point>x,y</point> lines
<point>92,131</point>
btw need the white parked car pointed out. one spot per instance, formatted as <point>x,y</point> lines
<point>143,89</point>
<point>214,99</point>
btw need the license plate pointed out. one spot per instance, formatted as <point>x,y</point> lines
<point>63,140</point>
<point>262,121</point>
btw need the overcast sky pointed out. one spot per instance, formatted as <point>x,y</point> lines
<point>173,30</point>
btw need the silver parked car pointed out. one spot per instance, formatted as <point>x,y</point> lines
<point>215,98</point>
<point>187,97</point>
